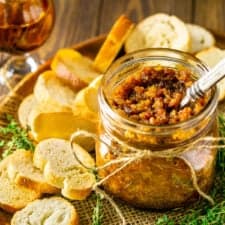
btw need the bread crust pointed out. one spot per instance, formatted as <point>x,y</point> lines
<point>113,43</point>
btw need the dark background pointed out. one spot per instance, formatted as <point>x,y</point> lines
<point>77,20</point>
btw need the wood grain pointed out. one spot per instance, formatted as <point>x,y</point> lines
<point>78,20</point>
<point>210,14</point>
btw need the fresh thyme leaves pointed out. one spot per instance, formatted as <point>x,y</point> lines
<point>18,137</point>
<point>221,153</point>
<point>203,213</point>
<point>97,212</point>
<point>97,215</point>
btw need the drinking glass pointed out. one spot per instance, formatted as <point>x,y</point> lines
<point>24,26</point>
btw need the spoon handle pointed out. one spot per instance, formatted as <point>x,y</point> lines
<point>212,77</point>
<point>199,87</point>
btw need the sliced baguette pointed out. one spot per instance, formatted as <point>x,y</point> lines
<point>58,124</point>
<point>86,106</point>
<point>49,90</point>
<point>211,57</point>
<point>22,172</point>
<point>113,43</point>
<point>13,197</point>
<point>200,38</point>
<point>86,101</point>
<point>51,211</point>
<point>25,108</point>
<point>61,169</point>
<point>73,68</point>
<point>159,31</point>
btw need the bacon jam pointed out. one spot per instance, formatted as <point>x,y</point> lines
<point>153,95</point>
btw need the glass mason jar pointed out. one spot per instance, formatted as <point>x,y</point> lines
<point>156,181</point>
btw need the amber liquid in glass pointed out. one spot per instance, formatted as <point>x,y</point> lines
<point>24,24</point>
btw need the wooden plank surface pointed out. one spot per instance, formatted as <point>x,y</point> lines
<point>77,20</point>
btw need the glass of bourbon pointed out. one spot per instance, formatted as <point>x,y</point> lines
<point>24,26</point>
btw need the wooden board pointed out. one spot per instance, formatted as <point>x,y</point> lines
<point>25,87</point>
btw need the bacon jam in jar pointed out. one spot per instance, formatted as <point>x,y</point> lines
<point>140,110</point>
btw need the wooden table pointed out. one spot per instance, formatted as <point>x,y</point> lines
<point>77,20</point>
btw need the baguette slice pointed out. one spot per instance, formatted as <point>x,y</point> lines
<point>159,31</point>
<point>22,172</point>
<point>25,108</point>
<point>12,196</point>
<point>86,101</point>
<point>58,124</point>
<point>113,43</point>
<point>50,90</point>
<point>73,68</point>
<point>211,57</point>
<point>200,38</point>
<point>61,169</point>
<point>51,211</point>
<point>86,106</point>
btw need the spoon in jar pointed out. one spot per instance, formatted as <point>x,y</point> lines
<point>202,85</point>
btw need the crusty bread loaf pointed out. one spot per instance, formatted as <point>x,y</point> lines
<point>12,196</point>
<point>61,169</point>
<point>73,68</point>
<point>25,108</point>
<point>159,30</point>
<point>211,57</point>
<point>21,171</point>
<point>113,43</point>
<point>51,211</point>
<point>200,38</point>
<point>49,90</point>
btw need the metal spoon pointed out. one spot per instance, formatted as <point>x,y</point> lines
<point>199,87</point>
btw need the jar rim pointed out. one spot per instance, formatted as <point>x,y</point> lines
<point>132,124</point>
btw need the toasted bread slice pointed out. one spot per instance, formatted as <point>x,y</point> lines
<point>25,108</point>
<point>13,197</point>
<point>211,57</point>
<point>61,169</point>
<point>54,210</point>
<point>86,101</point>
<point>86,106</point>
<point>113,43</point>
<point>58,124</point>
<point>22,172</point>
<point>159,31</point>
<point>73,68</point>
<point>201,38</point>
<point>50,90</point>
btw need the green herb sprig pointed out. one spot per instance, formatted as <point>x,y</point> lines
<point>18,137</point>
<point>97,215</point>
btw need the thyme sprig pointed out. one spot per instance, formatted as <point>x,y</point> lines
<point>97,215</point>
<point>18,137</point>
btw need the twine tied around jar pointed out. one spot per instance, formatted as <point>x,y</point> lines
<point>135,154</point>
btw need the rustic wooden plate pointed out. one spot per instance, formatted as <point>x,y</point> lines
<point>10,105</point>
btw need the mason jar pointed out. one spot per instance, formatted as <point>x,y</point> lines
<point>164,177</point>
